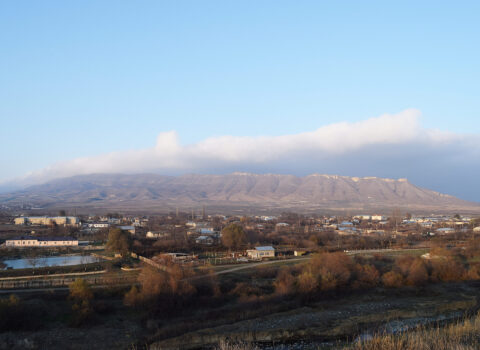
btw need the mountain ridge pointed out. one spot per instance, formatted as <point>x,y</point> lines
<point>235,189</point>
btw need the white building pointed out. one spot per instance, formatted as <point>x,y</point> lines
<point>363,217</point>
<point>206,240</point>
<point>49,242</point>
<point>261,252</point>
<point>156,235</point>
<point>47,220</point>
<point>130,229</point>
<point>99,225</point>
<point>446,230</point>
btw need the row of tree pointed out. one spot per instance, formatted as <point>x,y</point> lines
<point>334,271</point>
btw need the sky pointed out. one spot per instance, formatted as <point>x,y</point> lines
<point>387,89</point>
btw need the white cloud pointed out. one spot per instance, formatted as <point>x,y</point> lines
<point>361,148</point>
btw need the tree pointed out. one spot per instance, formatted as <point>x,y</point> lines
<point>119,241</point>
<point>285,282</point>
<point>62,213</point>
<point>417,273</point>
<point>233,236</point>
<point>32,257</point>
<point>161,289</point>
<point>307,283</point>
<point>396,218</point>
<point>81,296</point>
<point>447,270</point>
<point>367,276</point>
<point>334,269</point>
<point>80,290</point>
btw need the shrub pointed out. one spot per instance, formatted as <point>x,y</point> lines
<point>447,270</point>
<point>366,276</point>
<point>392,279</point>
<point>133,297</point>
<point>285,282</point>
<point>417,273</point>
<point>307,283</point>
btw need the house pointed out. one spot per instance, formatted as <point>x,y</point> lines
<point>156,235</point>
<point>140,222</point>
<point>346,224</point>
<point>130,229</point>
<point>206,231</point>
<point>347,231</point>
<point>446,230</point>
<point>206,240</point>
<point>261,252</point>
<point>47,242</point>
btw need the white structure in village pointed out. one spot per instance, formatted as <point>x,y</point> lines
<point>261,252</point>
<point>99,225</point>
<point>129,228</point>
<point>42,242</point>
<point>157,235</point>
<point>378,218</point>
<point>47,220</point>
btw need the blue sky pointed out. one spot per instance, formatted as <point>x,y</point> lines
<point>82,79</point>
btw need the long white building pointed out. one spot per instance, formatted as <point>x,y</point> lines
<point>27,241</point>
<point>47,220</point>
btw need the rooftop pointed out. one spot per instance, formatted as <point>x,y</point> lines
<point>265,248</point>
<point>31,238</point>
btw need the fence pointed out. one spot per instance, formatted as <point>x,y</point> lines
<point>65,282</point>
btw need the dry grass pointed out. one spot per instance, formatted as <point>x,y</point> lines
<point>463,335</point>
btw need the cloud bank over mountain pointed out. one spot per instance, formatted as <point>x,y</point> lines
<point>391,145</point>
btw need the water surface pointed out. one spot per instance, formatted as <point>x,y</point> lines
<point>50,261</point>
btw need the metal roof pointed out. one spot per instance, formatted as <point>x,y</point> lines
<point>265,248</point>
<point>30,238</point>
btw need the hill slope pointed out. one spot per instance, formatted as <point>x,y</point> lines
<point>149,191</point>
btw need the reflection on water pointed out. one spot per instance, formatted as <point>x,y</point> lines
<point>50,261</point>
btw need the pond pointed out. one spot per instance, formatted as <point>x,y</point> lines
<point>37,262</point>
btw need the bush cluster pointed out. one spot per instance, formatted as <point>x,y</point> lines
<point>337,271</point>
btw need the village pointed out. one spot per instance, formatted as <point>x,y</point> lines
<point>198,237</point>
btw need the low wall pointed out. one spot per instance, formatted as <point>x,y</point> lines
<point>150,262</point>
